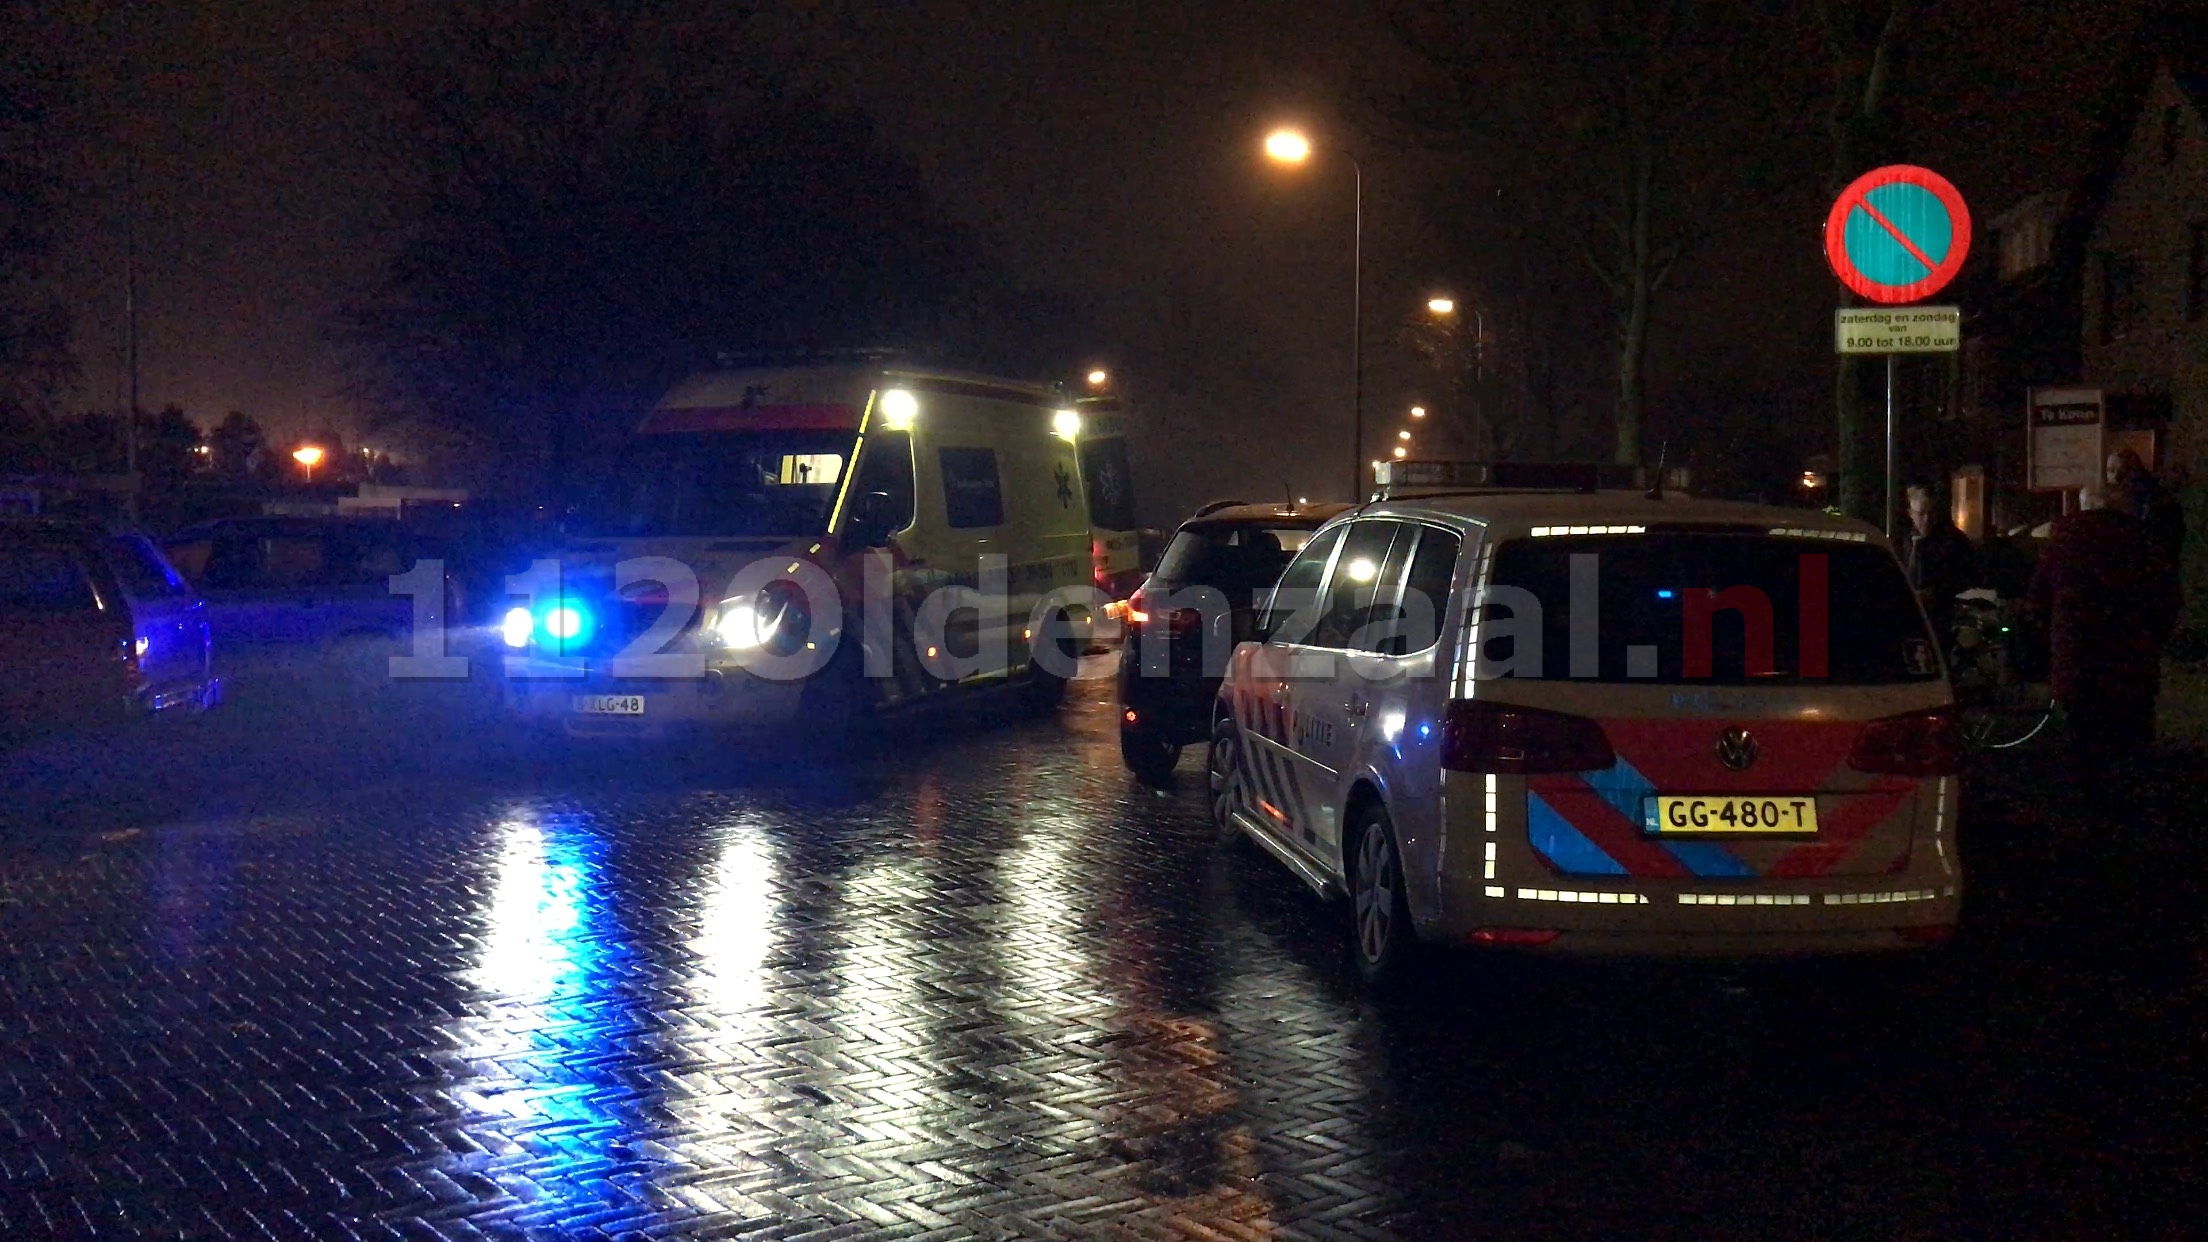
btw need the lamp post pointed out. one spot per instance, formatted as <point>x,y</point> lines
<point>308,456</point>
<point>1292,147</point>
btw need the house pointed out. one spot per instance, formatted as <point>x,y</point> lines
<point>2144,273</point>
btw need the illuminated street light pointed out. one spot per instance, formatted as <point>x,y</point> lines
<point>308,456</point>
<point>1098,378</point>
<point>1401,452</point>
<point>1442,306</point>
<point>1418,411</point>
<point>1287,146</point>
<point>1292,146</point>
<point>1402,435</point>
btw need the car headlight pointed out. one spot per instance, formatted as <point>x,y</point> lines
<point>739,627</point>
<point>518,627</point>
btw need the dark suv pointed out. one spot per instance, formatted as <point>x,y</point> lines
<point>1184,622</point>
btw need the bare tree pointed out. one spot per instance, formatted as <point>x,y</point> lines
<point>1607,113</point>
<point>590,199</point>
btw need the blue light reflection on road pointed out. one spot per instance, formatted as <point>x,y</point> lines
<point>549,1020</point>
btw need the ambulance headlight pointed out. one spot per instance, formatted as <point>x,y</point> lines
<point>777,619</point>
<point>518,627</point>
<point>739,628</point>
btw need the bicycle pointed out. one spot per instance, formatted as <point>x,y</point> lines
<point>1999,701</point>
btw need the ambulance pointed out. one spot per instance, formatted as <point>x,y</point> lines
<point>803,546</point>
<point>1535,715</point>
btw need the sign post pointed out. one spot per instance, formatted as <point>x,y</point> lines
<point>1899,234</point>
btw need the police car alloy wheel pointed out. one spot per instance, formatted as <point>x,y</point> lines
<point>1379,918</point>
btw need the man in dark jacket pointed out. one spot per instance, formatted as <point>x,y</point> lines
<point>2108,605</point>
<point>1940,561</point>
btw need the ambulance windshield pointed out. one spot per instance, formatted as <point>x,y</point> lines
<point>721,483</point>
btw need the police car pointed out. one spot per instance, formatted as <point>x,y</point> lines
<point>1520,711</point>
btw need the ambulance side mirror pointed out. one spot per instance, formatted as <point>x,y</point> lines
<point>874,518</point>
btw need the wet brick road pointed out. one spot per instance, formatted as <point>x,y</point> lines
<point>988,986</point>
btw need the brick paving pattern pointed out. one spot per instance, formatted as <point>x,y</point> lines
<point>986,987</point>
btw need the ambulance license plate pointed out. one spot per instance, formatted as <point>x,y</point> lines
<point>608,704</point>
<point>1789,815</point>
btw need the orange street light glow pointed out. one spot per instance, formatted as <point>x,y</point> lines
<point>1097,378</point>
<point>1286,146</point>
<point>1401,452</point>
<point>1442,306</point>
<point>1418,411</point>
<point>309,456</point>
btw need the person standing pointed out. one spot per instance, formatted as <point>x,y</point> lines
<point>1939,559</point>
<point>2107,605</point>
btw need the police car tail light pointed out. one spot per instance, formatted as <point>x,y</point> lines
<point>1918,744</point>
<point>1479,736</point>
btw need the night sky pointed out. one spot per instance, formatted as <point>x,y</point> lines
<point>1108,148</point>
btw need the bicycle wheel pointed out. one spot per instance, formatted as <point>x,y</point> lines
<point>2006,719</point>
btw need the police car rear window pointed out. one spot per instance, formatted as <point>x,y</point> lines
<point>1703,607</point>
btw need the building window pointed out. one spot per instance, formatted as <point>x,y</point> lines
<point>2196,269</point>
<point>2119,276</point>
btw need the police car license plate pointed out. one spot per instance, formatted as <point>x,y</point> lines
<point>1792,815</point>
<point>608,704</point>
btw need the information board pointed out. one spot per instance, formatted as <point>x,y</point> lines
<point>2064,432</point>
<point>1912,330</point>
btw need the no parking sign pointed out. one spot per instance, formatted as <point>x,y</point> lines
<point>1899,234</point>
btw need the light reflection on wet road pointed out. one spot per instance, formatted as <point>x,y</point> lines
<point>989,986</point>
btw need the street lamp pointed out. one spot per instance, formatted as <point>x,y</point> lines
<point>1442,306</point>
<point>1098,378</point>
<point>1293,147</point>
<point>1401,452</point>
<point>1418,411</point>
<point>1287,146</point>
<point>1402,435</point>
<point>308,457</point>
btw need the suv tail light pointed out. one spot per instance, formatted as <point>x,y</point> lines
<point>1918,744</point>
<point>1178,620</point>
<point>1479,736</point>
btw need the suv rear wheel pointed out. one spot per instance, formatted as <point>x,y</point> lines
<point>1380,919</point>
<point>1150,757</point>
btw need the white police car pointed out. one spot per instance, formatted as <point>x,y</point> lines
<point>1574,720</point>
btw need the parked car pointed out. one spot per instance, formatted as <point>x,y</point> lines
<point>1598,722</point>
<point>1174,654</point>
<point>95,627</point>
<point>302,579</point>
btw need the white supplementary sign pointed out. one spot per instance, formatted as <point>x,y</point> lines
<point>2063,432</point>
<point>1907,330</point>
